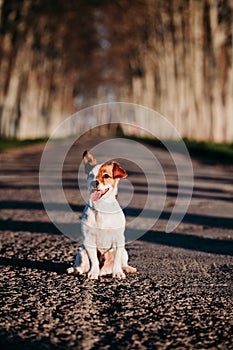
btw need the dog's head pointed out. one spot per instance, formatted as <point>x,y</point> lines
<point>102,178</point>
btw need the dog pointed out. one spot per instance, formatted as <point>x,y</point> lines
<point>102,224</point>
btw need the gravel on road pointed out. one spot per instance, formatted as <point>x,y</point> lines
<point>180,298</point>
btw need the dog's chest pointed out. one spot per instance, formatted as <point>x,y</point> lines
<point>103,230</point>
<point>103,217</point>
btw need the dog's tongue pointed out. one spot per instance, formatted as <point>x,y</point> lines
<point>97,195</point>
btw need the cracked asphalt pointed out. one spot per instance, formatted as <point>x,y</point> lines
<point>180,298</point>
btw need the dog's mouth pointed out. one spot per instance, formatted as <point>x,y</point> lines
<point>97,194</point>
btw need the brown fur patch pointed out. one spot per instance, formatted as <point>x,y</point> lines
<point>110,173</point>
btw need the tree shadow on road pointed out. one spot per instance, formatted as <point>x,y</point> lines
<point>190,242</point>
<point>50,266</point>
<point>185,241</point>
<point>38,227</point>
<point>190,218</point>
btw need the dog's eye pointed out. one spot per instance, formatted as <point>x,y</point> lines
<point>106,176</point>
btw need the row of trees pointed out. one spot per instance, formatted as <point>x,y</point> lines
<point>174,56</point>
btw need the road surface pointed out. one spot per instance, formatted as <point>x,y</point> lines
<point>181,296</point>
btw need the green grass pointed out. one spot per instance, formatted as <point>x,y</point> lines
<point>216,150</point>
<point>219,152</point>
<point>6,143</point>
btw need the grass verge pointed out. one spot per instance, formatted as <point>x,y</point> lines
<point>6,143</point>
<point>218,152</point>
<point>221,151</point>
<point>215,152</point>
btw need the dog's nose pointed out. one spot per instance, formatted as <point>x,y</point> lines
<point>95,183</point>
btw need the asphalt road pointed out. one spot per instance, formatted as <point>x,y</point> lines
<point>180,298</point>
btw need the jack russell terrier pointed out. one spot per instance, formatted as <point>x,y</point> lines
<point>103,224</point>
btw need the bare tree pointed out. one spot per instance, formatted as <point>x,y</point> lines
<point>174,56</point>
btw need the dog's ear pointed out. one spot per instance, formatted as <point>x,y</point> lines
<point>118,172</point>
<point>89,161</point>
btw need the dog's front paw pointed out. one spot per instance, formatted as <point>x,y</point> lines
<point>105,271</point>
<point>75,270</point>
<point>93,275</point>
<point>70,270</point>
<point>119,274</point>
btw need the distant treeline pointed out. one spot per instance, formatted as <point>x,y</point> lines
<point>174,56</point>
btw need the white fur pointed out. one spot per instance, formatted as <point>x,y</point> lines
<point>103,226</point>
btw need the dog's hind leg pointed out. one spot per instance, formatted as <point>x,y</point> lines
<point>124,263</point>
<point>82,264</point>
<point>107,267</point>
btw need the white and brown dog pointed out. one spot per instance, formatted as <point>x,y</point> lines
<point>103,224</point>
